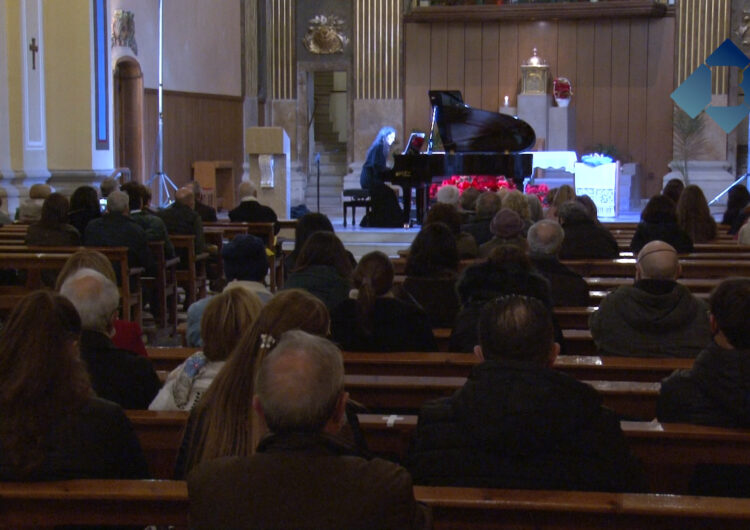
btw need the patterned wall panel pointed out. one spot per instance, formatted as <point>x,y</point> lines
<point>377,48</point>
<point>281,60</point>
<point>701,26</point>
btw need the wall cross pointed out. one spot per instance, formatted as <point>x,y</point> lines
<point>34,49</point>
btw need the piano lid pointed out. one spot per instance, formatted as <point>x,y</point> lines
<point>466,129</point>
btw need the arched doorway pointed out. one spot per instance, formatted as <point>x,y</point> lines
<point>128,87</point>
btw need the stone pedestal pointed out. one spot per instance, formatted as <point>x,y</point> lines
<point>561,129</point>
<point>534,110</point>
<point>601,184</point>
<point>269,153</point>
<point>629,187</point>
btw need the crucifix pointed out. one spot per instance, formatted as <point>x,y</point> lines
<point>34,49</point>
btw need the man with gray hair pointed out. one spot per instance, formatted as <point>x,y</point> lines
<point>207,213</point>
<point>301,475</point>
<point>488,204</point>
<point>117,375</point>
<point>116,229</point>
<point>250,210</point>
<point>654,317</point>
<point>181,218</point>
<point>567,288</point>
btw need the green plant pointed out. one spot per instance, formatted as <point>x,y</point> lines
<point>689,140</point>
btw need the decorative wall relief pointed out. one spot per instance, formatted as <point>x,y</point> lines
<point>123,29</point>
<point>325,35</point>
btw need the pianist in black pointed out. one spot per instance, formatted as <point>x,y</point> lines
<point>385,210</point>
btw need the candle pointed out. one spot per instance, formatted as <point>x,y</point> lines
<point>506,101</point>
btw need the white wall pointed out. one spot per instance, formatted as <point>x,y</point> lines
<point>5,163</point>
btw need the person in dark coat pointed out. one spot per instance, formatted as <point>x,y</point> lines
<point>385,211</point>
<point>659,222</point>
<point>738,199</point>
<point>250,210</point>
<point>517,423</point>
<point>152,224</point>
<point>584,237</point>
<point>714,391</point>
<point>52,230</point>
<point>300,464</point>
<point>568,288</point>
<point>488,204</point>
<point>116,229</point>
<point>117,375</point>
<point>654,317</point>
<point>507,271</point>
<point>181,219</point>
<point>377,321</point>
<point>52,427</point>
<point>207,213</point>
<point>84,206</point>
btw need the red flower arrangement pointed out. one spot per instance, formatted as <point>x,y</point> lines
<point>485,183</point>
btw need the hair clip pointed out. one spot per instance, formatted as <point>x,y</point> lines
<point>267,341</point>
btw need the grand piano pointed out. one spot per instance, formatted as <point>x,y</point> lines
<point>476,142</point>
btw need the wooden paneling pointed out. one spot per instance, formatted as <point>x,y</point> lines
<point>621,70</point>
<point>196,127</point>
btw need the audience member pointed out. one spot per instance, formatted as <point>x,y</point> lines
<point>557,198</point>
<point>301,401</point>
<point>584,238</point>
<point>488,204</point>
<point>448,214</point>
<point>4,217</point>
<point>714,391</point>
<point>507,229</point>
<point>654,317</point>
<point>30,210</point>
<point>659,222</point>
<point>737,199</point>
<point>516,202</point>
<point>146,195</point>
<point>250,210</point>
<point>535,207</point>
<point>207,213</point>
<point>152,225</point>
<point>589,205</point>
<point>227,316</point>
<point>743,237</point>
<point>107,186</point>
<point>518,423</point>
<point>323,269</point>
<point>52,427</point>
<point>127,333</point>
<point>507,271</point>
<point>117,375</point>
<point>448,194</point>
<point>181,219</point>
<point>218,425</point>
<point>694,217</point>
<point>673,189</point>
<point>431,271</point>
<point>84,206</point>
<point>568,288</point>
<point>307,225</point>
<point>373,319</point>
<point>245,266</point>
<point>467,203</point>
<point>116,229</point>
<point>52,229</point>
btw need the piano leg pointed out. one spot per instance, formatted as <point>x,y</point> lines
<point>406,194</point>
<point>423,202</point>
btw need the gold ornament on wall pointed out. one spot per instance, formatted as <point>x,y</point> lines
<point>325,35</point>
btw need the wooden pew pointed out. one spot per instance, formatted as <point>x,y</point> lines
<point>166,503</point>
<point>165,284</point>
<point>160,435</point>
<point>192,275</point>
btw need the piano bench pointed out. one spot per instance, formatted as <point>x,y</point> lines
<point>358,198</point>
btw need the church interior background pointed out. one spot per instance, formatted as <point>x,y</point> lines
<point>79,80</point>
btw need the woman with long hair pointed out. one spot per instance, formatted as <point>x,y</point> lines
<point>431,271</point>
<point>738,199</point>
<point>375,160</point>
<point>84,206</point>
<point>53,228</point>
<point>225,318</point>
<point>693,215</point>
<point>223,423</point>
<point>376,320</point>
<point>52,427</point>
<point>323,268</point>
<point>659,221</point>
<point>384,204</point>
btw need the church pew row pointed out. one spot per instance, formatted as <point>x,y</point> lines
<point>440,364</point>
<point>668,452</point>
<point>191,275</point>
<point>165,503</point>
<point>36,260</point>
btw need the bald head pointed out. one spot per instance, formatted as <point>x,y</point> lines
<point>545,237</point>
<point>185,196</point>
<point>657,260</point>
